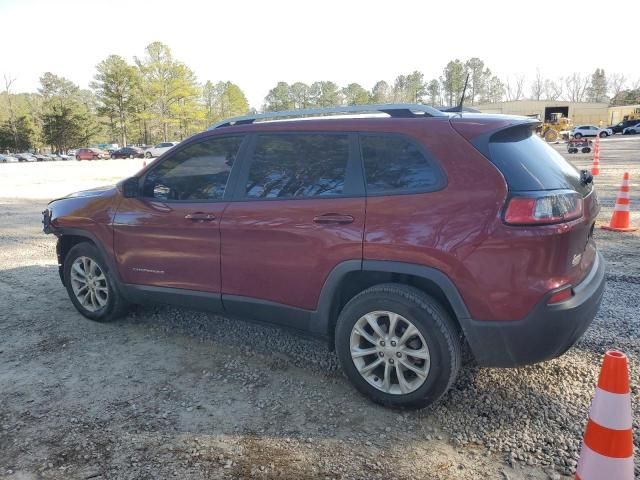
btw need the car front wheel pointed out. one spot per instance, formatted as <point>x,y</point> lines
<point>398,346</point>
<point>603,134</point>
<point>577,135</point>
<point>148,155</point>
<point>90,285</point>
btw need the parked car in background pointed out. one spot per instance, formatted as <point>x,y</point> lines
<point>8,159</point>
<point>632,129</point>
<point>40,157</point>
<point>53,157</point>
<point>580,131</point>
<point>620,126</point>
<point>90,154</point>
<point>159,149</point>
<point>342,227</point>
<point>25,157</point>
<point>128,152</point>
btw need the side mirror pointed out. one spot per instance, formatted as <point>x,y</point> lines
<point>131,187</point>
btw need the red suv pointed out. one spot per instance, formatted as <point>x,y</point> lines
<point>90,154</point>
<point>397,238</point>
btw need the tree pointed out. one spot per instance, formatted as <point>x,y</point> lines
<point>116,87</point>
<point>223,100</point>
<point>515,88</point>
<point>355,94</point>
<point>67,120</point>
<point>616,85</point>
<point>381,92</point>
<point>452,80</point>
<point>325,94</point>
<point>478,77</point>
<point>279,98</point>
<point>537,86</point>
<point>17,135</point>
<point>495,90</point>
<point>12,123</point>
<point>597,90</point>
<point>172,88</point>
<point>577,86</point>
<point>300,95</point>
<point>433,91</point>
<point>552,89</point>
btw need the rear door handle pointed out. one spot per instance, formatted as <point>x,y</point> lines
<point>200,217</point>
<point>333,218</point>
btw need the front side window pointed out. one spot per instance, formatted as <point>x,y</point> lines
<point>395,164</point>
<point>298,165</point>
<point>197,172</point>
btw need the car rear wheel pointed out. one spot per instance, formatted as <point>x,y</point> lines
<point>398,346</point>
<point>130,156</point>
<point>90,285</point>
<point>78,157</point>
<point>148,155</point>
<point>603,134</point>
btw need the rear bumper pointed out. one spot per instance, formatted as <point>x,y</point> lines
<point>546,333</point>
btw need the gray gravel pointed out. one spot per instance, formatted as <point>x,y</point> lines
<point>168,392</point>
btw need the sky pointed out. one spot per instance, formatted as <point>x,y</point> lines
<point>255,44</point>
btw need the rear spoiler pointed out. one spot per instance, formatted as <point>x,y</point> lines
<point>479,134</point>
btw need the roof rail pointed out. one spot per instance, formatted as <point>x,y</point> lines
<point>403,110</point>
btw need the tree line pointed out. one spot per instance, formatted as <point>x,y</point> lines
<point>158,98</point>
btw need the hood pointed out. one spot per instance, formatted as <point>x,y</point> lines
<point>93,192</point>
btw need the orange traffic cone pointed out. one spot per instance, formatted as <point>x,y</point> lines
<point>595,167</point>
<point>621,218</point>
<point>607,449</point>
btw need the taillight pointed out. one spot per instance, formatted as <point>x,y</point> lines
<point>543,208</point>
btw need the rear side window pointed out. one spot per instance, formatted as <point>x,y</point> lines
<point>298,165</point>
<point>395,164</point>
<point>197,172</point>
<point>529,163</point>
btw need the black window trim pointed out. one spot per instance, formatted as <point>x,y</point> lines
<point>442,183</point>
<point>230,187</point>
<point>353,183</point>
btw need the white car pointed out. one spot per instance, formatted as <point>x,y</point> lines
<point>632,130</point>
<point>580,131</point>
<point>8,159</point>
<point>159,149</point>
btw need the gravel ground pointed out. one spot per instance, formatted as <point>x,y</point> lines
<point>169,392</point>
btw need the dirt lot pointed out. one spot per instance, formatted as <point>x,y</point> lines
<point>173,393</point>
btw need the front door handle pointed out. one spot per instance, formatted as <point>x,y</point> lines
<point>333,218</point>
<point>200,217</point>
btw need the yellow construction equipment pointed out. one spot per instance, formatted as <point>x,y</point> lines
<point>557,126</point>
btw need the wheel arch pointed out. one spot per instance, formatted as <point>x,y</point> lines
<point>70,237</point>
<point>352,277</point>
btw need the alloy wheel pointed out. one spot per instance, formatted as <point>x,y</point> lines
<point>389,352</point>
<point>89,284</point>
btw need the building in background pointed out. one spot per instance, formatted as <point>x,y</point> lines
<point>579,112</point>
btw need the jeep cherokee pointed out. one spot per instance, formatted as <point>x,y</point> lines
<point>398,237</point>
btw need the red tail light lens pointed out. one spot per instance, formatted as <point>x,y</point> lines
<point>543,208</point>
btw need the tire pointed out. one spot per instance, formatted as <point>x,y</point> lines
<point>603,134</point>
<point>147,155</point>
<point>435,330</point>
<point>113,157</point>
<point>586,150</point>
<point>577,135</point>
<point>130,156</point>
<point>114,305</point>
<point>78,157</point>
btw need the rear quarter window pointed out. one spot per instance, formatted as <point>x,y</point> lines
<point>397,164</point>
<point>528,163</point>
